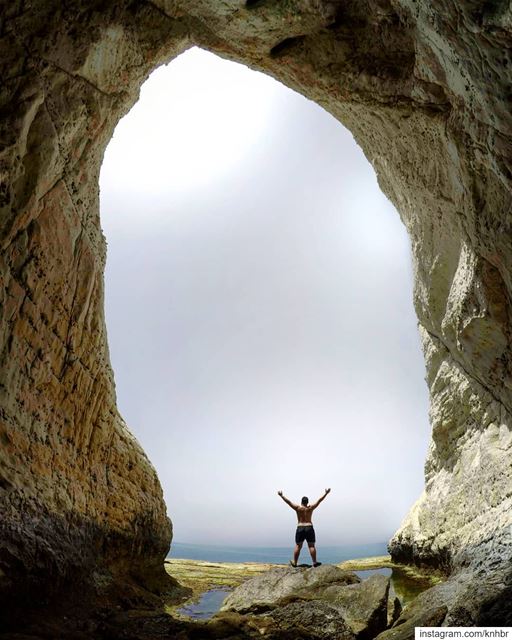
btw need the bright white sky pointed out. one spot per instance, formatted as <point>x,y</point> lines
<point>259,311</point>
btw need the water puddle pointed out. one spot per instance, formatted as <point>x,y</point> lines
<point>366,573</point>
<point>208,604</point>
<point>404,584</point>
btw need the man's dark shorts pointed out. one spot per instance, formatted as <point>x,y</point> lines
<point>305,533</point>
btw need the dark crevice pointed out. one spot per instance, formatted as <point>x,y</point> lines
<point>339,19</point>
<point>254,4</point>
<point>285,46</point>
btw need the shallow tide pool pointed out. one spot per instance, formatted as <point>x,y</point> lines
<point>366,573</point>
<point>207,605</point>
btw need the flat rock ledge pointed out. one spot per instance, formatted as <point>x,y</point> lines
<point>322,603</point>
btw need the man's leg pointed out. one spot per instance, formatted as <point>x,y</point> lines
<point>296,552</point>
<point>311,539</point>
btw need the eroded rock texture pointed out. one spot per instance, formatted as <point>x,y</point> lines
<point>325,601</point>
<point>425,89</point>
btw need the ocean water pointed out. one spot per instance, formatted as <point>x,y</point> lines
<point>276,555</point>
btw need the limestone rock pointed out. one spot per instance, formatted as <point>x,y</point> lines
<point>317,620</point>
<point>428,609</point>
<point>364,605</point>
<point>465,600</point>
<point>394,611</point>
<point>280,586</point>
<point>323,600</point>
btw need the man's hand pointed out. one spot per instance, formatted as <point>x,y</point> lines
<point>315,504</point>
<point>288,502</point>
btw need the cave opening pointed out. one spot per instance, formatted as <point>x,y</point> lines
<point>259,310</point>
<point>424,91</point>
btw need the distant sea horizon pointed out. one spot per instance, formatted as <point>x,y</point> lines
<point>331,554</point>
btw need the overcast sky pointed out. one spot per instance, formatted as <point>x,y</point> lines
<point>259,311</point>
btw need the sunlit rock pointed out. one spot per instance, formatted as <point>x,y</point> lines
<point>278,586</point>
<point>321,600</point>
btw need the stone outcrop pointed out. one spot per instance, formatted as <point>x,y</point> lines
<point>284,584</point>
<point>324,602</point>
<point>425,89</point>
<point>316,620</point>
<point>364,606</point>
<point>428,609</point>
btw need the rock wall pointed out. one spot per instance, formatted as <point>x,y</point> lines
<point>425,89</point>
<point>78,497</point>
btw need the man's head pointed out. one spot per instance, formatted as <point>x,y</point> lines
<point>305,501</point>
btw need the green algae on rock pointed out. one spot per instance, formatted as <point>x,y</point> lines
<point>407,581</point>
<point>201,575</point>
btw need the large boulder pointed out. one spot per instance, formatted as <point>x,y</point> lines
<point>364,605</point>
<point>316,620</point>
<point>428,609</point>
<point>327,601</point>
<point>283,585</point>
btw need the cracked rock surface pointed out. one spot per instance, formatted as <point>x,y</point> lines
<point>325,601</point>
<point>425,89</point>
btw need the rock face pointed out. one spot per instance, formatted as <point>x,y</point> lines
<point>364,606</point>
<point>282,585</point>
<point>428,609</point>
<point>325,602</point>
<point>425,89</point>
<point>317,620</point>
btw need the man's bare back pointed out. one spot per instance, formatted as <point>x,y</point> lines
<point>305,529</point>
<point>304,515</point>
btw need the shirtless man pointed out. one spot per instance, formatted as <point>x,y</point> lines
<point>305,530</point>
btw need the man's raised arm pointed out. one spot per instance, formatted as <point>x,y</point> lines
<point>315,505</point>
<point>288,502</point>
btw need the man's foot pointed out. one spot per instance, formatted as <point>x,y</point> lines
<point>317,564</point>
<point>293,564</point>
